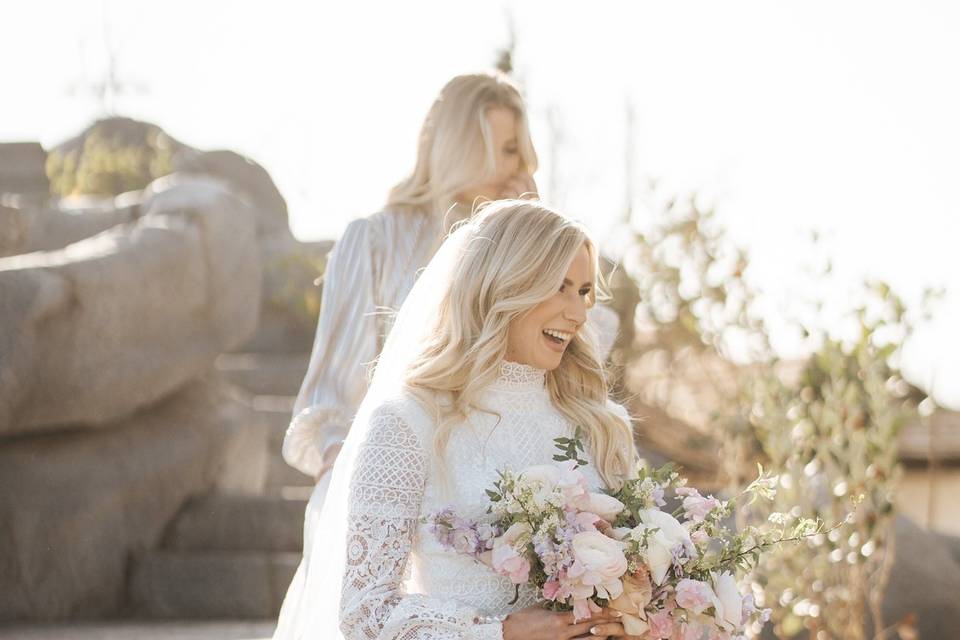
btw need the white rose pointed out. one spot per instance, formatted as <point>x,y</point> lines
<point>542,481</point>
<point>620,533</point>
<point>600,562</point>
<point>607,507</point>
<point>670,533</point>
<point>728,609</point>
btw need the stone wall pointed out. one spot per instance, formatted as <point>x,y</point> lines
<point>113,311</point>
<point>75,505</point>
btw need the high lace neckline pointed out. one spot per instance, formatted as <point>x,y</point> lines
<point>514,375</point>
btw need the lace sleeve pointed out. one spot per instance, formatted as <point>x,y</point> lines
<point>385,497</point>
<point>346,340</point>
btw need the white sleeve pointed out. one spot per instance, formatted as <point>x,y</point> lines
<point>386,493</point>
<point>346,342</point>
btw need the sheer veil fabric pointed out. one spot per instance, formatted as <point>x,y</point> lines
<point>311,607</point>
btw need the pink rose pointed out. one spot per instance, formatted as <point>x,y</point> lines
<point>551,588</point>
<point>695,596</point>
<point>695,506</point>
<point>584,608</point>
<point>506,559</point>
<point>661,625</point>
<point>518,571</point>
<point>700,537</point>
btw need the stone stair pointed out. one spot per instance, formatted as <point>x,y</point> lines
<point>229,555</point>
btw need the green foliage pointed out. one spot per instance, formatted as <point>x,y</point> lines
<point>570,448</point>
<point>108,165</point>
<point>693,292</point>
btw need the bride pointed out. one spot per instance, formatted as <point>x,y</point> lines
<point>490,359</point>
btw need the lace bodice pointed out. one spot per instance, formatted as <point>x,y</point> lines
<point>399,581</point>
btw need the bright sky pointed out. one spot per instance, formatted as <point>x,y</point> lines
<point>790,117</point>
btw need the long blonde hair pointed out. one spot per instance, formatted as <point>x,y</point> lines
<point>455,149</point>
<point>516,256</point>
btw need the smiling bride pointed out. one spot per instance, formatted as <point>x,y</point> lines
<point>489,360</point>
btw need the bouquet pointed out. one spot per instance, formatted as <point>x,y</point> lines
<point>670,574</point>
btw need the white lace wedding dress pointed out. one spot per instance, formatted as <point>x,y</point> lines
<point>399,582</point>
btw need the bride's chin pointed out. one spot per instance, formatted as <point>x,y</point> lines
<point>551,361</point>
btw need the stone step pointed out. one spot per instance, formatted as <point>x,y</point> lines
<point>226,522</point>
<point>103,495</point>
<point>237,585</point>
<point>265,373</point>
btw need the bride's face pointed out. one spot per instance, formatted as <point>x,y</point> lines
<point>540,337</point>
<point>506,154</point>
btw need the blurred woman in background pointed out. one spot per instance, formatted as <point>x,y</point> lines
<point>474,145</point>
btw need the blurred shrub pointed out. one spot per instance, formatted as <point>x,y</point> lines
<point>828,432</point>
<point>108,164</point>
<point>693,294</point>
<point>831,436</point>
<point>293,291</point>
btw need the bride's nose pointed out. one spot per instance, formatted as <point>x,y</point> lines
<point>576,311</point>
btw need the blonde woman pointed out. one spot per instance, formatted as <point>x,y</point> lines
<point>474,145</point>
<point>489,360</point>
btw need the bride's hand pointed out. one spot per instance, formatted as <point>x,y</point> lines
<point>537,623</point>
<point>613,630</point>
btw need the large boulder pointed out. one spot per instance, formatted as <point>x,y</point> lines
<point>111,323</point>
<point>23,170</point>
<point>75,506</point>
<point>246,178</point>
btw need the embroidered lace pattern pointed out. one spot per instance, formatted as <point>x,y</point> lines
<point>385,500</point>
<point>399,581</point>
<point>514,375</point>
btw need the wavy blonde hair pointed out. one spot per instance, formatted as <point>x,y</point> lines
<point>516,256</point>
<point>455,150</point>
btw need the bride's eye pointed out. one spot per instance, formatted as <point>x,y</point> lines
<point>585,291</point>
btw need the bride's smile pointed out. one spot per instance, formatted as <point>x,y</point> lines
<point>540,336</point>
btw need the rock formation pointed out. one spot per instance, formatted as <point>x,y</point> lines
<point>114,309</point>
